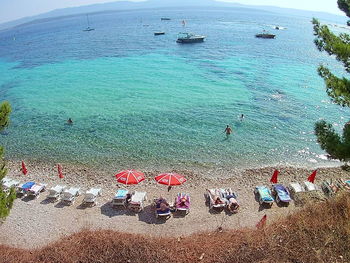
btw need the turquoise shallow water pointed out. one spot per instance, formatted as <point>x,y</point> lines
<point>141,101</point>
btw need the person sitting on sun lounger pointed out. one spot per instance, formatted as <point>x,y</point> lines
<point>162,205</point>
<point>218,200</point>
<point>232,204</point>
<point>182,202</point>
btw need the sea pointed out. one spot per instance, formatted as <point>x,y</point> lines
<point>143,101</point>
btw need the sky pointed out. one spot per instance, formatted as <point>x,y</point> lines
<point>15,9</point>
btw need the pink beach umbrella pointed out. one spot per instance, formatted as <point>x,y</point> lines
<point>170,179</point>
<point>130,177</point>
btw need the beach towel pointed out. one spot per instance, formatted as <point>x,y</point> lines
<point>121,193</point>
<point>265,194</point>
<point>179,204</point>
<point>282,193</point>
<point>27,186</point>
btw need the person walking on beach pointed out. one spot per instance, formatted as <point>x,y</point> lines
<point>228,130</point>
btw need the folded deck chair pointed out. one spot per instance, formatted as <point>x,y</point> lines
<point>55,192</point>
<point>182,202</point>
<point>162,213</point>
<point>213,194</point>
<point>36,189</point>
<point>70,194</point>
<point>91,196</point>
<point>121,198</point>
<point>265,195</point>
<point>137,201</point>
<point>310,186</point>
<point>282,193</point>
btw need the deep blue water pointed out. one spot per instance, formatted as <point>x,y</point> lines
<point>139,100</point>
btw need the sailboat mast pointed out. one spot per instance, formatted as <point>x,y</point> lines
<point>87,17</point>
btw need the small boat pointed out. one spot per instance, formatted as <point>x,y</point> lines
<point>189,38</point>
<point>159,33</point>
<point>88,23</point>
<point>277,27</point>
<point>165,19</point>
<point>265,35</point>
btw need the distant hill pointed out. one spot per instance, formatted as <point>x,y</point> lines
<point>152,4</point>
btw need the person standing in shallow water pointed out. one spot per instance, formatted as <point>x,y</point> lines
<point>228,130</point>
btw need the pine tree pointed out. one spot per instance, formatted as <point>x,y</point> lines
<point>338,89</point>
<point>6,197</point>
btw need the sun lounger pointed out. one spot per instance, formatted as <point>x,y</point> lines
<point>5,179</point>
<point>121,198</point>
<point>91,196</point>
<point>7,184</point>
<point>137,201</point>
<point>36,189</point>
<point>215,198</point>
<point>282,194</point>
<point>264,195</point>
<point>70,194</point>
<point>162,208</point>
<point>24,188</point>
<point>231,200</point>
<point>55,192</point>
<point>310,186</point>
<point>296,188</point>
<point>182,202</point>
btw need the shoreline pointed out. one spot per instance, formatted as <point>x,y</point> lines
<point>29,229</point>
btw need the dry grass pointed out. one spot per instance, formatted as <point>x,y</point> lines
<point>318,233</point>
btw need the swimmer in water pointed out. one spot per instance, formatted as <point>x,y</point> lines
<point>70,121</point>
<point>228,130</point>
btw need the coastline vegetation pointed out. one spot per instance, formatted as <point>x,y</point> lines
<point>338,89</point>
<point>320,232</point>
<point>6,197</point>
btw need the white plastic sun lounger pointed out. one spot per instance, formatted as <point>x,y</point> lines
<point>55,192</point>
<point>296,188</point>
<point>70,194</point>
<point>211,194</point>
<point>36,189</point>
<point>137,201</point>
<point>310,186</point>
<point>10,183</point>
<point>91,196</point>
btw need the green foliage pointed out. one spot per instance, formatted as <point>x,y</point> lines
<point>5,110</point>
<point>337,147</point>
<point>344,6</point>
<point>338,89</point>
<point>6,197</point>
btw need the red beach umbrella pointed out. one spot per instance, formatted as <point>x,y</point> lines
<point>170,179</point>
<point>130,177</point>
<point>274,177</point>
<point>59,170</point>
<point>24,168</point>
<point>312,176</point>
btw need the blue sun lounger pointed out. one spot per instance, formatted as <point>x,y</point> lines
<point>282,193</point>
<point>264,194</point>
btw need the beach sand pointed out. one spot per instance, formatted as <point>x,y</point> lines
<point>35,222</point>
